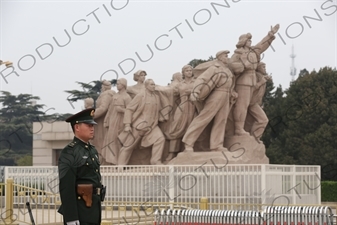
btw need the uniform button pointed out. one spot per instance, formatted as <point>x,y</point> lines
<point>79,197</point>
<point>93,159</point>
<point>87,163</point>
<point>96,170</point>
<point>86,146</point>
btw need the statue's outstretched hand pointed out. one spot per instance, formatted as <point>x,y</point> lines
<point>275,28</point>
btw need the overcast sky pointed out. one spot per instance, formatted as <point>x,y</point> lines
<point>54,43</point>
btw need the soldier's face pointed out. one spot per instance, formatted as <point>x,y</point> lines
<point>84,131</point>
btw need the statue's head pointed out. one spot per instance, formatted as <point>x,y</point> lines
<point>122,83</point>
<point>88,103</point>
<point>150,85</point>
<point>223,56</point>
<point>261,67</point>
<point>139,75</point>
<point>187,70</point>
<point>243,39</point>
<point>177,77</point>
<point>106,85</point>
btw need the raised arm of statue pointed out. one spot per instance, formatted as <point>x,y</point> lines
<point>166,90</point>
<point>264,44</point>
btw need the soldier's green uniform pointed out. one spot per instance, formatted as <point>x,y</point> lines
<point>79,164</point>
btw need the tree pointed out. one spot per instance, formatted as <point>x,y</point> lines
<point>196,62</point>
<point>16,117</point>
<point>26,160</point>
<point>307,126</point>
<point>272,105</point>
<point>89,90</point>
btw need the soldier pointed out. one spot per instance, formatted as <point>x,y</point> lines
<point>80,185</point>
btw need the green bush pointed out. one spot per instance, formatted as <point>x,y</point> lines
<point>329,191</point>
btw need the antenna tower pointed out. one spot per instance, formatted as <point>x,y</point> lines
<point>292,68</point>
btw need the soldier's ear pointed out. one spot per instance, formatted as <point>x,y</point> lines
<point>76,126</point>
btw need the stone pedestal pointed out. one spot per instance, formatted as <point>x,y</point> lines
<point>241,150</point>
<point>200,158</point>
<point>246,150</point>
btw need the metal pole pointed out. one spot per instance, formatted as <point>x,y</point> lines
<point>30,213</point>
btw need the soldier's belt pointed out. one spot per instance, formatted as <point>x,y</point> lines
<point>97,191</point>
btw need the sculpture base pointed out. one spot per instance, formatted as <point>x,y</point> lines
<point>199,158</point>
<point>247,149</point>
<point>241,150</point>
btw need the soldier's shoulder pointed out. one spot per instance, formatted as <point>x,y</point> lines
<point>71,144</point>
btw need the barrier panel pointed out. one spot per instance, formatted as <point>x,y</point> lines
<point>271,215</point>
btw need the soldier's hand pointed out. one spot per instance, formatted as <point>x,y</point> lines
<point>76,222</point>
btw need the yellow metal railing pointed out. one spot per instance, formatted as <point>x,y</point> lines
<point>45,204</point>
<point>9,203</point>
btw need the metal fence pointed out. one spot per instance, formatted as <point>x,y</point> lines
<point>280,215</point>
<point>136,192</point>
<point>231,184</point>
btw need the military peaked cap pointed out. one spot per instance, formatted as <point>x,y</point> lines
<point>222,52</point>
<point>85,116</point>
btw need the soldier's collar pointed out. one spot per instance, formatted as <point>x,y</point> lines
<point>78,140</point>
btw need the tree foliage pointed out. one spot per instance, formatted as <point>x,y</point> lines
<point>17,115</point>
<point>26,160</point>
<point>303,124</point>
<point>196,62</point>
<point>88,90</point>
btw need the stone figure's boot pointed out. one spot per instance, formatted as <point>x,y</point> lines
<point>239,131</point>
<point>188,148</point>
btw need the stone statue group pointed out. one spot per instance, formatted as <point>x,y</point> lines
<point>195,112</point>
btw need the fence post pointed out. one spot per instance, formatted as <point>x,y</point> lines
<point>204,203</point>
<point>9,201</point>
